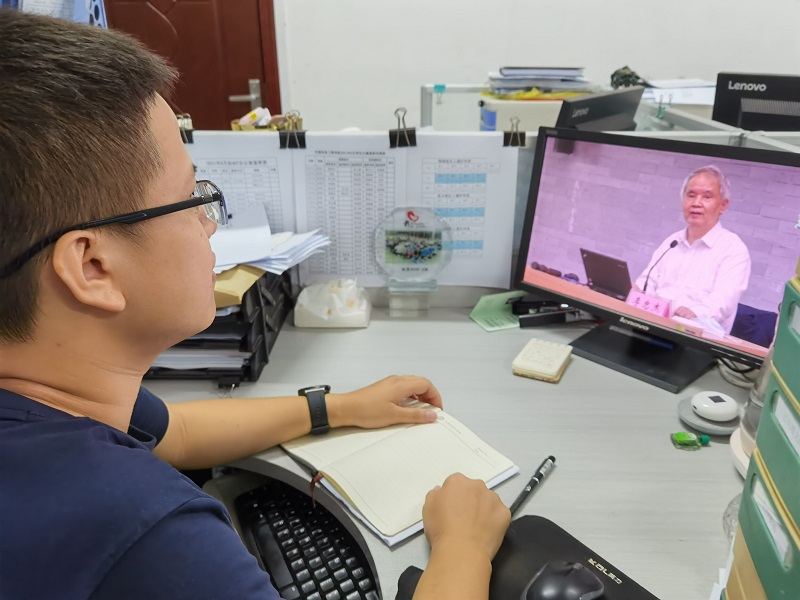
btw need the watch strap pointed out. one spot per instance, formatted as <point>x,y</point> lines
<point>316,407</point>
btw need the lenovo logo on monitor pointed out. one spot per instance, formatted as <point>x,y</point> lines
<point>634,324</point>
<point>782,113</point>
<point>747,87</point>
<point>580,112</point>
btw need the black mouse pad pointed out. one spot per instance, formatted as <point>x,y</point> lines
<point>529,544</point>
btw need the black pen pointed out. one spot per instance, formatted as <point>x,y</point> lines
<point>540,473</point>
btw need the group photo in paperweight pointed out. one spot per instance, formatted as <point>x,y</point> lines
<point>404,247</point>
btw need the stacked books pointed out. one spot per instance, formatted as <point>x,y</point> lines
<point>550,79</point>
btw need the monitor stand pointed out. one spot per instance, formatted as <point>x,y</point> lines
<point>657,361</point>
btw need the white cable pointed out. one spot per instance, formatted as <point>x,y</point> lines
<point>742,380</point>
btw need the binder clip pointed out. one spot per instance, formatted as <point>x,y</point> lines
<point>186,127</point>
<point>514,137</point>
<point>402,137</point>
<point>293,136</point>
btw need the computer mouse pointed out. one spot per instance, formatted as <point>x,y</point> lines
<point>562,580</point>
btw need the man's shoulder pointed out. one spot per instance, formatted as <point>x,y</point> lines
<point>83,493</point>
<point>732,241</point>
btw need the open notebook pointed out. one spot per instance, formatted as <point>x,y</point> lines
<point>383,475</point>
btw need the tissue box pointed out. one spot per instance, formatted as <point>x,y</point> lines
<point>334,304</point>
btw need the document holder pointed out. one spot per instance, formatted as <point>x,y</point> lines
<point>252,330</point>
<point>529,544</point>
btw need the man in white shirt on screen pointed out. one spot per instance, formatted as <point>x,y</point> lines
<point>703,269</point>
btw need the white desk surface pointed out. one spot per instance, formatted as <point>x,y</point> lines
<point>619,485</point>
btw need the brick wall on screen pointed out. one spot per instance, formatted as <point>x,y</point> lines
<point>624,202</point>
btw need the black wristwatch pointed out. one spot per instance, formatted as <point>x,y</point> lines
<point>316,406</point>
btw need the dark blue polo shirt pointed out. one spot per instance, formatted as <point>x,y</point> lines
<point>87,511</point>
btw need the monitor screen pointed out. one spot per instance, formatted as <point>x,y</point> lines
<point>690,242</point>
<point>758,102</point>
<point>606,111</point>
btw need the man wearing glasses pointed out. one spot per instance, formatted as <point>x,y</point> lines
<point>105,262</point>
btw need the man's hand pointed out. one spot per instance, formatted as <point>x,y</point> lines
<point>684,312</point>
<point>464,515</point>
<point>381,404</point>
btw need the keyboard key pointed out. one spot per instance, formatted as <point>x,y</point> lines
<point>369,596</point>
<point>365,584</point>
<point>358,572</point>
<point>334,595</point>
<point>334,564</point>
<point>347,585</point>
<point>298,564</point>
<point>304,541</point>
<point>310,551</point>
<point>290,592</point>
<point>293,553</point>
<point>316,596</point>
<point>315,563</point>
<point>351,562</point>
<point>308,587</point>
<point>283,534</point>
<point>303,575</point>
<point>286,544</point>
<point>340,574</point>
<point>353,596</point>
<point>326,585</point>
<point>328,553</point>
<point>321,573</point>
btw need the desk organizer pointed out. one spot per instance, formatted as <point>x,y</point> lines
<point>766,551</point>
<point>771,535</point>
<point>787,339</point>
<point>743,581</point>
<point>253,330</point>
<point>778,441</point>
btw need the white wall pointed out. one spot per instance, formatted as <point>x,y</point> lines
<point>352,62</point>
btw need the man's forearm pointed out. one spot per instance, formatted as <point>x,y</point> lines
<point>206,433</point>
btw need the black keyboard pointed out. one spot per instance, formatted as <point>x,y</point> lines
<point>306,551</point>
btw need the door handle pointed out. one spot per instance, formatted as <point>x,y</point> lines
<point>254,97</point>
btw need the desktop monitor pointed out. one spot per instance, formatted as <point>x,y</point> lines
<point>606,111</point>
<point>602,205</point>
<point>758,102</point>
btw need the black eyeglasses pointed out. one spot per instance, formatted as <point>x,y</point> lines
<point>206,194</point>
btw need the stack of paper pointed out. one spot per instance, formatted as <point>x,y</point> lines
<point>201,358</point>
<point>680,91</point>
<point>511,79</point>
<point>289,249</point>
<point>248,240</point>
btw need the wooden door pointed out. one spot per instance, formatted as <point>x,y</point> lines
<point>216,45</point>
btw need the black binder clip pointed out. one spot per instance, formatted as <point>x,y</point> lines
<point>186,127</point>
<point>514,138</point>
<point>292,137</point>
<point>402,137</point>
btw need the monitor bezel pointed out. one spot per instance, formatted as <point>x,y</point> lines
<point>612,316</point>
<point>569,105</point>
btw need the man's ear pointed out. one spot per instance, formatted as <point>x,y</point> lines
<point>84,263</point>
<point>723,206</point>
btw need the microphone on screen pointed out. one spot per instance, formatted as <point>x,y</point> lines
<point>647,279</point>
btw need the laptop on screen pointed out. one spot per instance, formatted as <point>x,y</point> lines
<point>606,275</point>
